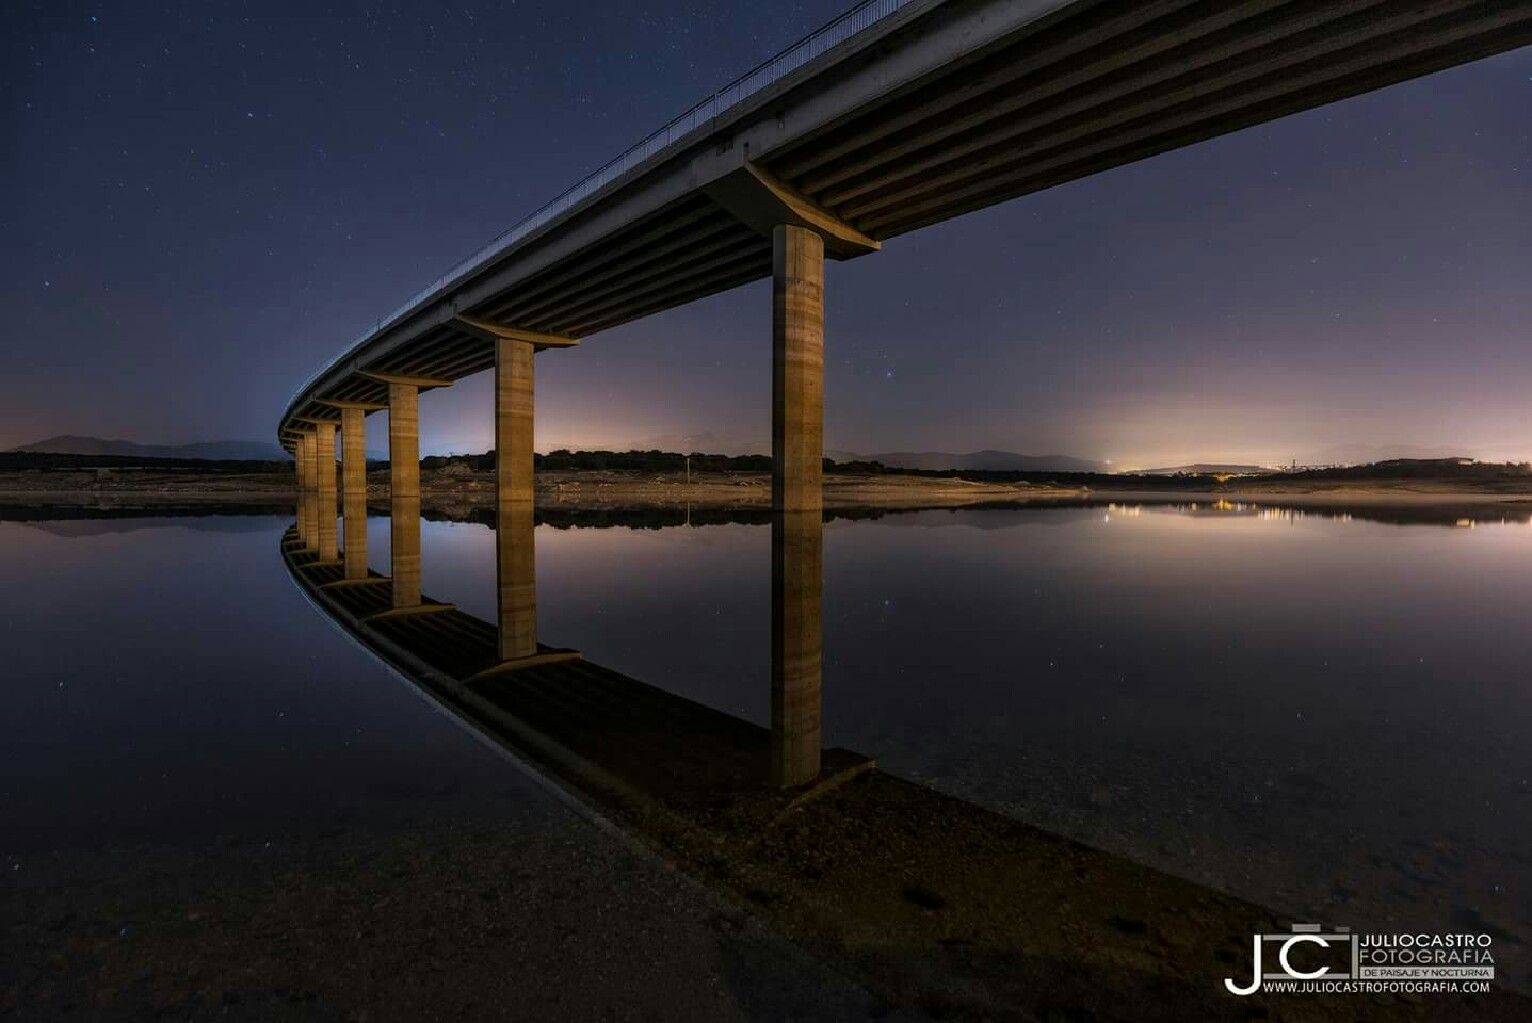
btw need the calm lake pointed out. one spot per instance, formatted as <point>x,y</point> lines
<point>1323,713</point>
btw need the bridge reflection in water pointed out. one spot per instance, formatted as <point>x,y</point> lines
<point>932,900</point>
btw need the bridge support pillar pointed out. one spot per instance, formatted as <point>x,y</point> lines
<point>308,519</point>
<point>300,467</point>
<point>797,369</point>
<point>514,537</point>
<point>324,481</point>
<point>304,456</point>
<point>404,495</point>
<point>312,469</point>
<point>515,559</point>
<point>353,472</point>
<point>797,443</point>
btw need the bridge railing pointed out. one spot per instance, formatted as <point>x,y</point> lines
<point>860,17</point>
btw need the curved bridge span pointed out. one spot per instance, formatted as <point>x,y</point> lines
<point>901,114</point>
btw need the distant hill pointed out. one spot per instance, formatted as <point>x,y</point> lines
<point>1001,461</point>
<point>243,450</point>
<point>1371,454</point>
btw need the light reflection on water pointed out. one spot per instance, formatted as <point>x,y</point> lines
<point>1323,713</point>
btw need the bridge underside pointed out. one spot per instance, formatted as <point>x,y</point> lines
<point>1092,86</point>
<point>1104,84</point>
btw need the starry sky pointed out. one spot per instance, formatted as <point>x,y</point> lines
<point>205,201</point>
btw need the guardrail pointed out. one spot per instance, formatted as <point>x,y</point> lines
<point>860,17</point>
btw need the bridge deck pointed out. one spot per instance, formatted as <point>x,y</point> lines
<point>935,111</point>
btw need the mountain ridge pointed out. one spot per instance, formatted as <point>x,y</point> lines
<point>215,450</point>
<point>988,459</point>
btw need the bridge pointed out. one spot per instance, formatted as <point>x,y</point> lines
<point>899,115</point>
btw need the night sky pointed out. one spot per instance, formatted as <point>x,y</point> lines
<point>204,202</point>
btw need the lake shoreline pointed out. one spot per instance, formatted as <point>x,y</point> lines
<point>609,489</point>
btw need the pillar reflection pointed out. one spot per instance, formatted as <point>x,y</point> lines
<point>404,553</point>
<point>796,574</point>
<point>516,575</point>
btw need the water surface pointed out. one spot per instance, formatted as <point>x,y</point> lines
<point>1326,714</point>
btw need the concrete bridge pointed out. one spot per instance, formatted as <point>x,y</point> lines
<point>902,114</point>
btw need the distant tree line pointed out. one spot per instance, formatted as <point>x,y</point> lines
<point>641,461</point>
<point>1415,468</point>
<point>643,517</point>
<point>655,461</point>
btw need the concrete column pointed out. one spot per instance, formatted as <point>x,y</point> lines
<point>797,369</point>
<point>404,440</point>
<point>514,539</point>
<point>324,470</point>
<point>302,483</point>
<point>308,517</point>
<point>796,573</point>
<point>404,492</point>
<point>797,450</point>
<point>305,458</point>
<point>311,471</point>
<point>353,473</point>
